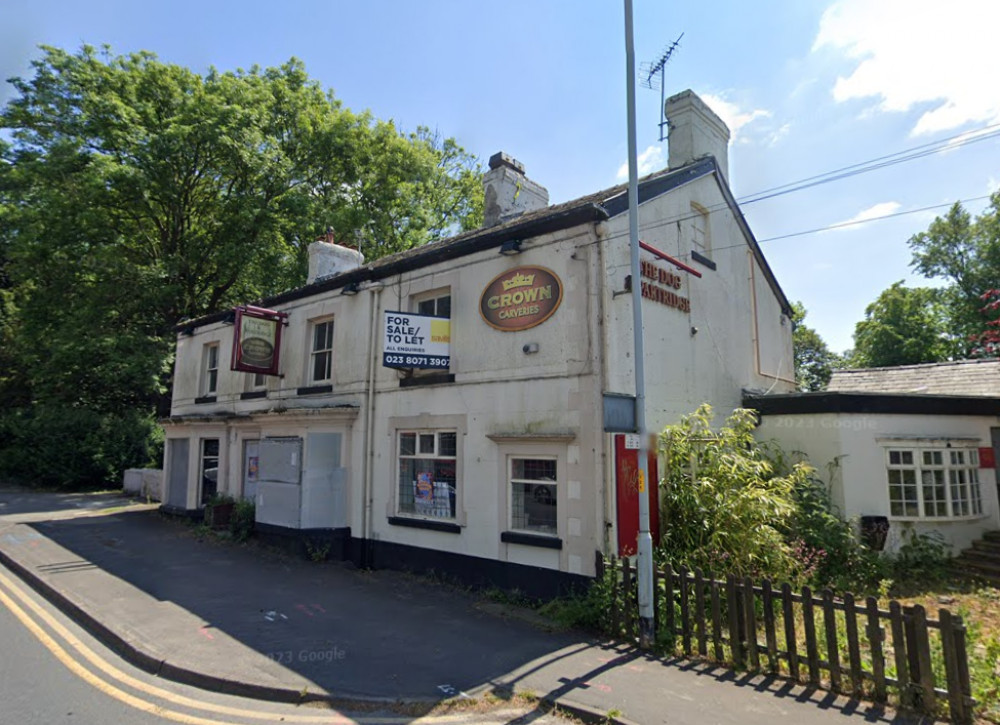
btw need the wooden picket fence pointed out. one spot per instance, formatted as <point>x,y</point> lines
<point>855,648</point>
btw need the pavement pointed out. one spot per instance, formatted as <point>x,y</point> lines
<point>245,620</point>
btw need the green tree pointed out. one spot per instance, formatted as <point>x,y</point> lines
<point>965,253</point>
<point>814,361</point>
<point>903,326</point>
<point>135,194</point>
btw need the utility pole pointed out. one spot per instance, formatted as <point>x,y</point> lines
<point>645,544</point>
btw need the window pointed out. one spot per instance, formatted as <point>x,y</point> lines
<point>209,468</point>
<point>700,236</point>
<point>934,483</point>
<point>427,485</point>
<point>439,306</point>
<point>210,372</point>
<point>256,381</point>
<point>533,495</point>
<point>321,358</point>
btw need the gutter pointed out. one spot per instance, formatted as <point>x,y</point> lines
<point>424,257</point>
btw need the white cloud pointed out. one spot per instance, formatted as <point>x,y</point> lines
<point>910,54</point>
<point>775,136</point>
<point>649,161</point>
<point>734,116</point>
<point>873,212</point>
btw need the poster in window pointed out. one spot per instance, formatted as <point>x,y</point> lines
<point>416,341</point>
<point>257,340</point>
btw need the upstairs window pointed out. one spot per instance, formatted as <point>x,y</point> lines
<point>437,306</point>
<point>321,355</point>
<point>210,369</point>
<point>700,233</point>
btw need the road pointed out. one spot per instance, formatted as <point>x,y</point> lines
<point>52,671</point>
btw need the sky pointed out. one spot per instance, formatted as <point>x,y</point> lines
<point>806,86</point>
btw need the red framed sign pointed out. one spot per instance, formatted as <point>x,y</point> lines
<point>257,340</point>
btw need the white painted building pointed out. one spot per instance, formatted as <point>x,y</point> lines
<point>915,445</point>
<point>497,467</point>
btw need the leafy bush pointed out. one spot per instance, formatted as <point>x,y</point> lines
<point>923,560</point>
<point>724,507</point>
<point>589,611</point>
<point>242,521</point>
<point>68,447</point>
<point>827,546</point>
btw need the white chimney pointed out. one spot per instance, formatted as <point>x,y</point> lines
<point>327,259</point>
<point>695,132</point>
<point>508,192</point>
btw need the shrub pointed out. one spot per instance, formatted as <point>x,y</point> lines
<point>923,561</point>
<point>242,521</point>
<point>724,507</point>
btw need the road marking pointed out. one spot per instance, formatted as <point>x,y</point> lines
<point>180,700</point>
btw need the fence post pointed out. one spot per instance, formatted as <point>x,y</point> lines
<point>809,624</point>
<point>832,644</point>
<point>685,610</point>
<point>750,623</point>
<point>876,643</point>
<point>791,641</point>
<point>769,634</point>
<point>956,696</point>
<point>733,603</point>
<point>699,611</point>
<point>919,651</point>
<point>900,647</point>
<point>853,645</point>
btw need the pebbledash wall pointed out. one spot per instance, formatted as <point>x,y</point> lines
<point>514,427</point>
<point>924,462</point>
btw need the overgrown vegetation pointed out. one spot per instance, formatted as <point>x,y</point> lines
<point>135,194</point>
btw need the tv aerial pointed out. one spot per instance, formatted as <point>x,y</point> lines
<point>653,76</point>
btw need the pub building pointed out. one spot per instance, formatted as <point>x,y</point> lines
<point>466,406</point>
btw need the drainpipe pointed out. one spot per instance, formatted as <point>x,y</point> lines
<point>368,448</point>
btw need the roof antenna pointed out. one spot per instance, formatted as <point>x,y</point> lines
<point>648,78</point>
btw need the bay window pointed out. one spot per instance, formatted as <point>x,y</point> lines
<point>933,483</point>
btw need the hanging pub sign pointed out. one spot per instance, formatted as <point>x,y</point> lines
<point>416,341</point>
<point>520,298</point>
<point>257,340</point>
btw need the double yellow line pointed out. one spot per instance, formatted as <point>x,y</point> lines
<point>13,597</point>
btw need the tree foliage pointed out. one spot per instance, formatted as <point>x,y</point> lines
<point>904,326</point>
<point>136,193</point>
<point>964,252</point>
<point>814,361</point>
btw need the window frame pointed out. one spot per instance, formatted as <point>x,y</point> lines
<point>510,481</point>
<point>943,481</point>
<point>210,371</point>
<point>315,352</point>
<point>435,296</point>
<point>433,511</point>
<point>203,456</point>
<point>701,228</point>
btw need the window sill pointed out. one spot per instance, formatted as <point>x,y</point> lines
<point>937,519</point>
<point>446,527</point>
<point>314,390</point>
<point>202,400</point>
<point>435,379</point>
<point>703,260</point>
<point>253,394</point>
<point>543,541</point>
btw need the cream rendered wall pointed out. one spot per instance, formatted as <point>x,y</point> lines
<point>709,354</point>
<point>543,403</point>
<point>858,443</point>
<point>546,402</point>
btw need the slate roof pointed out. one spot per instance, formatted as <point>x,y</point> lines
<point>960,377</point>
<point>598,206</point>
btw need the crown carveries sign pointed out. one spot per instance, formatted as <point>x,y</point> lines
<point>520,298</point>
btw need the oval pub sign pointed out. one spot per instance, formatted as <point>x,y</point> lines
<point>520,298</point>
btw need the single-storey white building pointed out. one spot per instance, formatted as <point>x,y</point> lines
<point>911,446</point>
<point>460,406</point>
